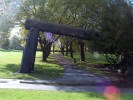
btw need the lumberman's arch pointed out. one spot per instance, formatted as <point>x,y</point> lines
<point>35,26</point>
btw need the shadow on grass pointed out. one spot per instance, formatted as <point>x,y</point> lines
<point>41,72</point>
<point>10,50</point>
<point>95,96</point>
<point>51,59</point>
<point>9,68</point>
<point>87,95</point>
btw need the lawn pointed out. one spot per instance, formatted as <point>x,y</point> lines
<point>7,94</point>
<point>14,94</point>
<point>92,58</point>
<point>10,63</point>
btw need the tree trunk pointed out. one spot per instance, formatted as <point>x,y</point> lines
<point>71,50</point>
<point>67,48</point>
<point>43,47</point>
<point>29,53</point>
<point>62,50</point>
<point>46,52</point>
<point>53,48</point>
<point>82,53</point>
<point>48,49</point>
<point>44,56</point>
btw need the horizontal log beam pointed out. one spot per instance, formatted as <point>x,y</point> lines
<point>60,29</point>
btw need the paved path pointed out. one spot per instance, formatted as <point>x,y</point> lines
<point>73,80</point>
<point>72,75</point>
<point>21,84</point>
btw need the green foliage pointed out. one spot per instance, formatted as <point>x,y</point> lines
<point>6,22</point>
<point>4,43</point>
<point>71,12</point>
<point>15,42</point>
<point>5,26</point>
<point>116,28</point>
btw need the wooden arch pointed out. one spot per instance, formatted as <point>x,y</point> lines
<point>35,26</point>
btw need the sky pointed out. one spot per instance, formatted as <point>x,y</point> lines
<point>15,31</point>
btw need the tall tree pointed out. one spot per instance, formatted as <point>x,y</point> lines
<point>117,32</point>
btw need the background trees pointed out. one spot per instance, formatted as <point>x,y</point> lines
<point>15,43</point>
<point>117,34</point>
<point>8,11</point>
<point>112,17</point>
<point>70,12</point>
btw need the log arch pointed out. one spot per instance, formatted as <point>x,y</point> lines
<point>35,26</point>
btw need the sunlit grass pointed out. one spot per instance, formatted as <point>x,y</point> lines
<point>10,64</point>
<point>92,58</point>
<point>14,94</point>
<point>7,94</point>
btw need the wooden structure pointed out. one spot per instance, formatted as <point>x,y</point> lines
<point>35,26</point>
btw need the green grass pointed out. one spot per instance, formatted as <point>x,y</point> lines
<point>6,94</point>
<point>92,58</point>
<point>14,94</point>
<point>10,62</point>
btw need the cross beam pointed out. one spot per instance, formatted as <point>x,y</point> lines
<point>61,29</point>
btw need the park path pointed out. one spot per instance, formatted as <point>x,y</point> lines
<point>73,80</point>
<point>74,76</point>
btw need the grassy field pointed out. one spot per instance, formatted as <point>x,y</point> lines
<point>47,95</point>
<point>10,62</point>
<point>13,94</point>
<point>92,58</point>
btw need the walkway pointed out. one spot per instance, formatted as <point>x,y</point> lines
<point>73,80</point>
<point>74,76</point>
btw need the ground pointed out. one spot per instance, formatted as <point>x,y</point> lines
<point>83,84</point>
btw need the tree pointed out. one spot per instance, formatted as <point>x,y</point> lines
<point>45,43</point>
<point>117,33</point>
<point>8,10</point>
<point>15,42</point>
<point>4,33</point>
<point>82,52</point>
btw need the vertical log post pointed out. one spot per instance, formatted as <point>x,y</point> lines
<point>29,53</point>
<point>71,50</point>
<point>67,48</point>
<point>82,53</point>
